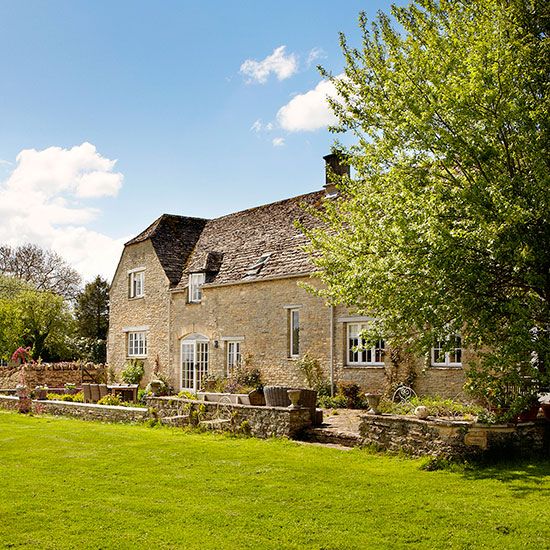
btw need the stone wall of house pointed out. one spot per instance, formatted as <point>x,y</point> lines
<point>259,312</point>
<point>53,375</point>
<point>260,422</point>
<point>84,411</point>
<point>453,439</point>
<point>152,310</point>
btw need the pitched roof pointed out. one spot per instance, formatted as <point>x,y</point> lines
<point>255,244</point>
<point>173,238</point>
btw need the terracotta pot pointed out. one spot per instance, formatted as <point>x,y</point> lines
<point>546,410</point>
<point>529,415</point>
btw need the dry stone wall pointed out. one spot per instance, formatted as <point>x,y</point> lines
<point>84,411</point>
<point>453,439</point>
<point>260,422</point>
<point>53,375</point>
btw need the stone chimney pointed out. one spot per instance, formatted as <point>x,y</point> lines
<point>334,169</point>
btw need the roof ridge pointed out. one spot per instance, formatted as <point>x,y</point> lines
<point>269,204</point>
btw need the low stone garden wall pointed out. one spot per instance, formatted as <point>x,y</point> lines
<point>258,421</point>
<point>453,438</point>
<point>53,375</point>
<point>84,411</point>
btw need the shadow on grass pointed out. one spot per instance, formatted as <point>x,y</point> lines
<point>522,475</point>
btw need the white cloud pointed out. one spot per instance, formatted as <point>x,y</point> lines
<point>281,65</point>
<point>315,54</point>
<point>41,201</point>
<point>278,142</point>
<point>309,111</point>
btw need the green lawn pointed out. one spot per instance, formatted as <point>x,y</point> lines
<point>71,484</point>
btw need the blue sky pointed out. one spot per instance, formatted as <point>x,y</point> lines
<point>200,105</point>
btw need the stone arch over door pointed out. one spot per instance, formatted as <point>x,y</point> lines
<point>194,355</point>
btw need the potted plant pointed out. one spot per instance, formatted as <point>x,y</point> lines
<point>40,392</point>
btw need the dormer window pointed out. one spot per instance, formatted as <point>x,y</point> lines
<point>136,283</point>
<point>256,267</point>
<point>196,280</point>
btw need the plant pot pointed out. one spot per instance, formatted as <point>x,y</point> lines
<point>530,414</point>
<point>373,400</point>
<point>546,410</point>
<point>294,396</point>
<point>421,412</point>
<point>41,394</point>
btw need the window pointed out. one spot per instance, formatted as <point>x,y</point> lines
<point>233,355</point>
<point>137,344</point>
<point>446,353</point>
<point>363,356</point>
<point>294,322</point>
<point>136,283</point>
<point>195,282</point>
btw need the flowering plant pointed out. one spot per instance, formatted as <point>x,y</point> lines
<point>21,354</point>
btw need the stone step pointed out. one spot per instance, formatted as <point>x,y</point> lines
<point>179,420</point>
<point>333,437</point>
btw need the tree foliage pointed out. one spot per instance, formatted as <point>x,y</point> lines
<point>92,318</point>
<point>39,319</point>
<point>444,227</point>
<point>44,269</point>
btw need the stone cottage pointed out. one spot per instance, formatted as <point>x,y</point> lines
<point>194,297</point>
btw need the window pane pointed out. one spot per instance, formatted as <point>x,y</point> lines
<point>294,332</point>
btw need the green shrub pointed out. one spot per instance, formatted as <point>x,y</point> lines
<point>328,402</point>
<point>310,367</point>
<point>133,371</point>
<point>353,394</point>
<point>76,398</point>
<point>436,406</point>
<point>110,400</point>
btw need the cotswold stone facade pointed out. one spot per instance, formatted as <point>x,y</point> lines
<point>193,297</point>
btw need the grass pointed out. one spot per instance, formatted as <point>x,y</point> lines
<point>72,484</point>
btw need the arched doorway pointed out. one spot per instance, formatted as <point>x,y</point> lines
<point>194,361</point>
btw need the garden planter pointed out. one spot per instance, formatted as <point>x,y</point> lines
<point>529,415</point>
<point>40,393</point>
<point>25,403</point>
<point>421,412</point>
<point>294,396</point>
<point>546,410</point>
<point>373,400</point>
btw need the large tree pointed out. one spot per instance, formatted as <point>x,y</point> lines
<point>92,318</point>
<point>445,225</point>
<point>38,319</point>
<point>44,269</point>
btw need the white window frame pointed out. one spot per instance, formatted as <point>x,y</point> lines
<point>450,356</point>
<point>137,344</point>
<point>233,354</point>
<point>136,283</point>
<point>194,358</point>
<point>369,357</point>
<point>196,280</point>
<point>294,326</point>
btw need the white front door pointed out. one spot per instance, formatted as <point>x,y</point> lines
<point>194,364</point>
